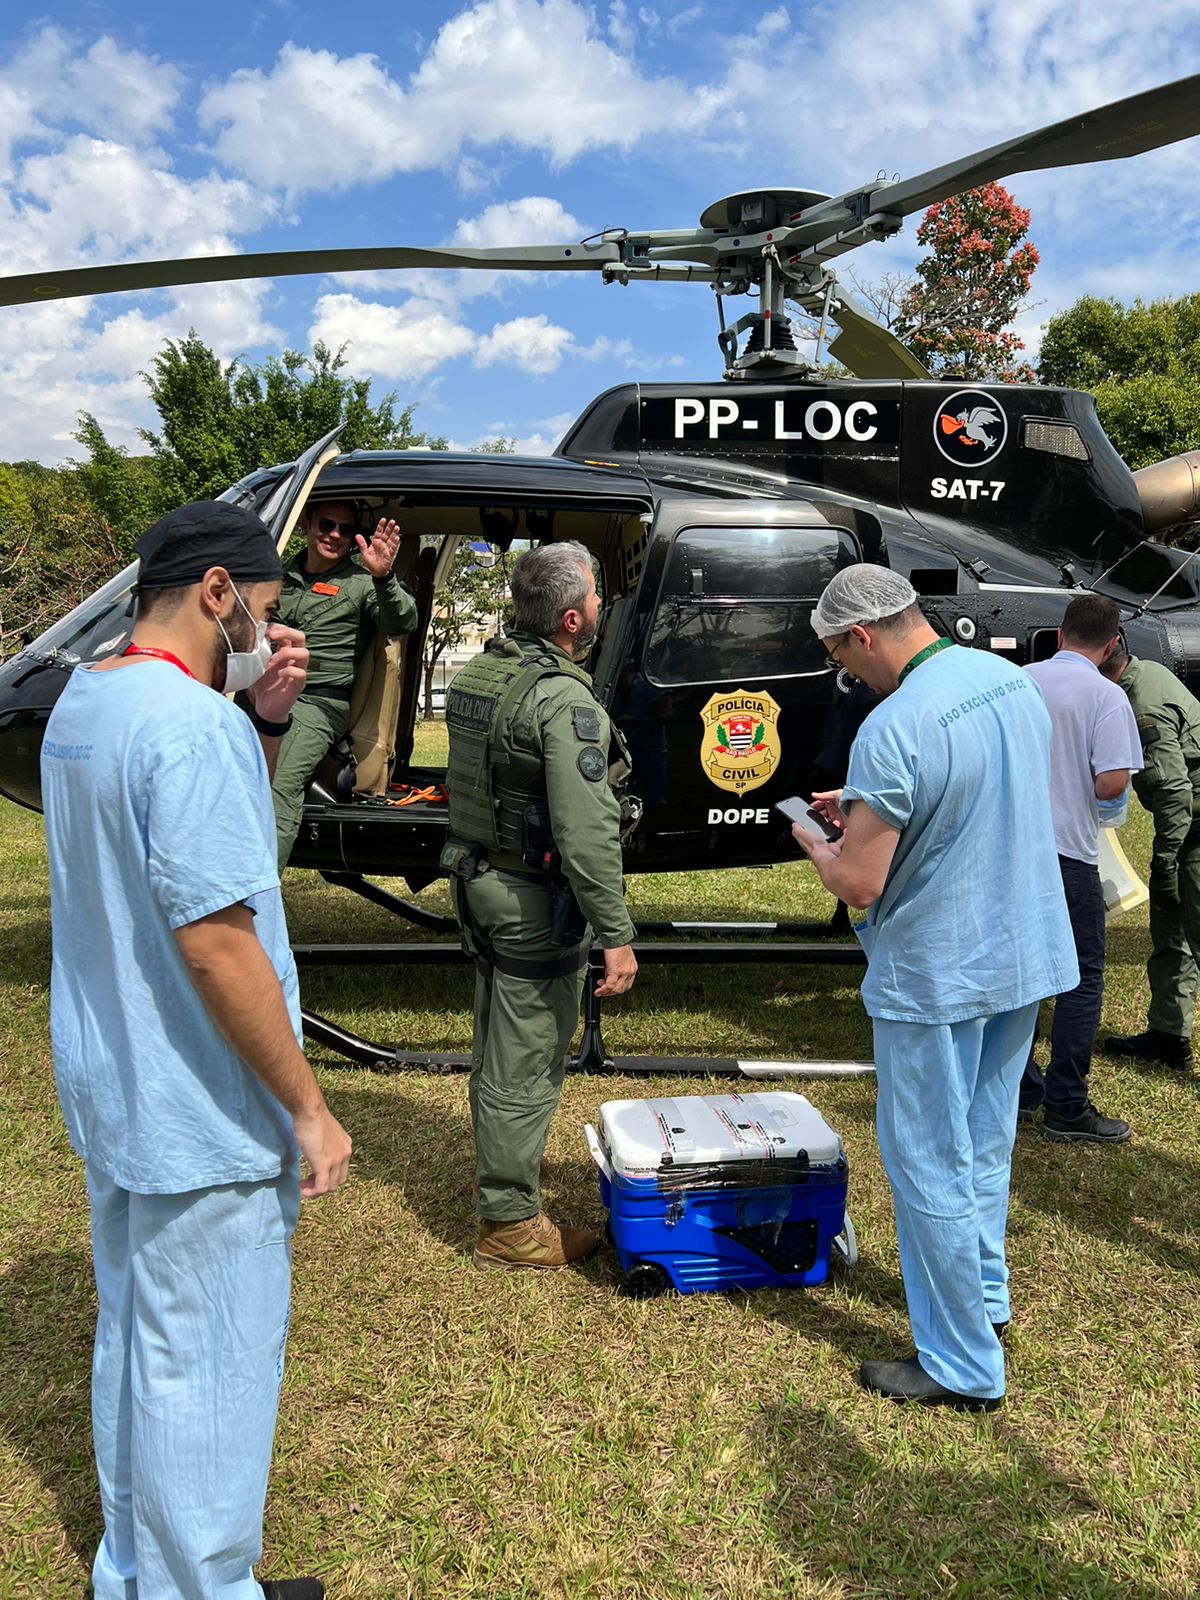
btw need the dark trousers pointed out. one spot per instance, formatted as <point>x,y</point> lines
<point>1076,1013</point>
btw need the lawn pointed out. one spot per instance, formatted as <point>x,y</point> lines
<point>444,1434</point>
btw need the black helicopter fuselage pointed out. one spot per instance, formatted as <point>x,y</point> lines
<point>716,514</point>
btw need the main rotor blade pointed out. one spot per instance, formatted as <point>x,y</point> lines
<point>35,286</point>
<point>866,347</point>
<point>1124,128</point>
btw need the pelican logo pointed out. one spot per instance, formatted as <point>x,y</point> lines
<point>740,747</point>
<point>970,428</point>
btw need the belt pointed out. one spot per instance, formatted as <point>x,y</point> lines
<point>518,967</point>
<point>328,691</point>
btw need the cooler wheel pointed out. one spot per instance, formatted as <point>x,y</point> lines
<point>846,1243</point>
<point>645,1280</point>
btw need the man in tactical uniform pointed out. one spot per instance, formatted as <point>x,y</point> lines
<point>341,606</point>
<point>535,860</point>
<point>1168,720</point>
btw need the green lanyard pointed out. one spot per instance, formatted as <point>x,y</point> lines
<point>924,655</point>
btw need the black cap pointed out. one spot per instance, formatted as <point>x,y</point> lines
<point>180,548</point>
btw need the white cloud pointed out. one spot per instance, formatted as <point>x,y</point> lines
<point>534,74</point>
<point>534,344</point>
<point>51,82</point>
<point>406,341</point>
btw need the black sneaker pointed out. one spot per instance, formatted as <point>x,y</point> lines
<point>908,1380</point>
<point>1028,1114</point>
<point>1089,1126</point>
<point>293,1589</point>
<point>1152,1044</point>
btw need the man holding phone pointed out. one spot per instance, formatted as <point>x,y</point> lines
<point>947,843</point>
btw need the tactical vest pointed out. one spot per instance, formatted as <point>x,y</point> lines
<point>492,782</point>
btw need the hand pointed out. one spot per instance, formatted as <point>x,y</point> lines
<point>817,850</point>
<point>325,1145</point>
<point>620,969</point>
<point>828,803</point>
<point>377,557</point>
<point>277,691</point>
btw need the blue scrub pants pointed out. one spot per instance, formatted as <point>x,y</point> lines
<point>194,1293</point>
<point>946,1117</point>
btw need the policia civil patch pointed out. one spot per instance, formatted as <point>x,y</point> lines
<point>587,723</point>
<point>592,764</point>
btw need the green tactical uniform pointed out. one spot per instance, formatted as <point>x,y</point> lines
<point>525,727</point>
<point>1168,719</point>
<point>339,629</point>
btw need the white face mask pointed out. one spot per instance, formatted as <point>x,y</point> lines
<point>245,667</point>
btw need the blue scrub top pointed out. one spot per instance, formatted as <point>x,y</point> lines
<point>972,920</point>
<point>158,813</point>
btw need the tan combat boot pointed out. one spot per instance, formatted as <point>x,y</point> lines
<point>533,1242</point>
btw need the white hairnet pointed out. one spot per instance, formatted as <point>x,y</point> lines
<point>861,593</point>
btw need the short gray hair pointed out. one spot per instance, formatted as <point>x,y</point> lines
<point>546,582</point>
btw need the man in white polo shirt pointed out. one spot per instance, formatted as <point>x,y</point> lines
<point>1094,747</point>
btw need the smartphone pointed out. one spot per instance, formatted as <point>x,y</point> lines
<point>799,810</point>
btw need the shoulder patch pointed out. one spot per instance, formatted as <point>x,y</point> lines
<point>1149,730</point>
<point>592,764</point>
<point>587,722</point>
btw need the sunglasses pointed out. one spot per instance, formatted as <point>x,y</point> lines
<point>347,530</point>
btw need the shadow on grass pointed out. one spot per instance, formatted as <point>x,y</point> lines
<point>1111,1193</point>
<point>47,1321</point>
<point>425,1152</point>
<point>25,952</point>
<point>848,1516</point>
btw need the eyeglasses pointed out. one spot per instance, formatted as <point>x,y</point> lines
<point>831,660</point>
<point>347,530</point>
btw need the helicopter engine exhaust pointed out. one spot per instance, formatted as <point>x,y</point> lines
<point>1169,491</point>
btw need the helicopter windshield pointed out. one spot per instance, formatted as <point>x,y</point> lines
<point>736,602</point>
<point>1155,575</point>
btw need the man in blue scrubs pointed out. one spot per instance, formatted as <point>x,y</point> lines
<point>948,845</point>
<point>175,1025</point>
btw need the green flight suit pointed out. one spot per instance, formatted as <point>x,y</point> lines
<point>560,737</point>
<point>341,612</point>
<point>1168,719</point>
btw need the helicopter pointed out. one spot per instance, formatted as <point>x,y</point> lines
<point>716,512</point>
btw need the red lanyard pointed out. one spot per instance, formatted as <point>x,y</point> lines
<point>162,655</point>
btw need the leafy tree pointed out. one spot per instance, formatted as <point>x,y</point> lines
<point>53,554</point>
<point>955,314</point>
<point>472,595</point>
<point>16,508</point>
<point>220,422</point>
<point>122,488</point>
<point>1142,363</point>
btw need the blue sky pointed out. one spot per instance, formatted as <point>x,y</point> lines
<point>134,131</point>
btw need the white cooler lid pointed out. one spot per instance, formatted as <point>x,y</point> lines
<point>703,1128</point>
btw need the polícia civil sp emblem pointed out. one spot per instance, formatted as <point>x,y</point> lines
<point>741,748</point>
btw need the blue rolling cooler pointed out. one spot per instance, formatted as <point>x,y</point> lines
<point>729,1191</point>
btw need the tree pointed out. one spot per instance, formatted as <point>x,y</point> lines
<point>473,595</point>
<point>1142,363</point>
<point>219,421</point>
<point>955,314</point>
<point>122,488</point>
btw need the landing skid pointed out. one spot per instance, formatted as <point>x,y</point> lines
<point>592,1056</point>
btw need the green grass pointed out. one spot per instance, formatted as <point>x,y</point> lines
<point>442,1434</point>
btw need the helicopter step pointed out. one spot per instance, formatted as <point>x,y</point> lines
<point>592,1056</point>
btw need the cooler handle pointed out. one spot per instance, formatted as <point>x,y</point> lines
<point>597,1151</point>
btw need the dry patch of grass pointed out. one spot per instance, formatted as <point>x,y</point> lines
<point>447,1435</point>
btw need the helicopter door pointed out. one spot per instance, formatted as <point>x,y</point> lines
<point>281,509</point>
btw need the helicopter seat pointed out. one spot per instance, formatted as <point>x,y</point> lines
<point>361,762</point>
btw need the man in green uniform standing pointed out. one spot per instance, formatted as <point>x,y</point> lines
<point>535,861</point>
<point>1168,719</point>
<point>340,605</point>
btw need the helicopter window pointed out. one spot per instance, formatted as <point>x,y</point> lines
<point>736,602</point>
<point>98,624</point>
